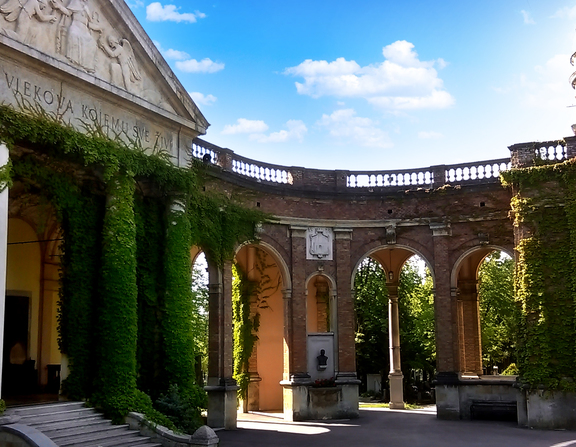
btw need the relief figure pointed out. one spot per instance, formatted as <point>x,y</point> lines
<point>27,14</point>
<point>125,72</point>
<point>81,47</point>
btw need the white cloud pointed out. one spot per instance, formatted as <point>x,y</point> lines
<point>528,20</point>
<point>245,126</point>
<point>296,131</point>
<point>200,98</point>
<point>204,66</point>
<point>344,125</point>
<point>401,81</point>
<point>548,86</point>
<point>430,135</point>
<point>155,12</point>
<point>135,3</point>
<point>170,53</point>
<point>565,13</point>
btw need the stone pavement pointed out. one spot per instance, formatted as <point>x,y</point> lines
<point>389,428</point>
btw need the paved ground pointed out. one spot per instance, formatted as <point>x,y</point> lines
<point>389,428</point>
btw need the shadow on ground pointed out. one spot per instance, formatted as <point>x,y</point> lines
<point>382,427</point>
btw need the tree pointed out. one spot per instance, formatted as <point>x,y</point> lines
<point>416,308</point>
<point>499,313</point>
<point>200,317</point>
<point>371,306</point>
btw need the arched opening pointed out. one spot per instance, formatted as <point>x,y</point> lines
<point>394,306</point>
<point>31,360</point>
<point>499,314</point>
<point>260,278</point>
<point>200,304</point>
<point>482,281</point>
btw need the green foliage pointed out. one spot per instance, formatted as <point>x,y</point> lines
<point>6,176</point>
<point>512,370</point>
<point>183,408</point>
<point>2,407</point>
<point>117,308</point>
<point>499,314</point>
<point>200,301</point>
<point>544,208</point>
<point>416,309</point>
<point>150,235</point>
<point>177,330</point>
<point>245,326</point>
<point>371,308</point>
<point>143,404</point>
<point>125,300</point>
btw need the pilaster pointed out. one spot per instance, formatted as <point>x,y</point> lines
<point>4,157</point>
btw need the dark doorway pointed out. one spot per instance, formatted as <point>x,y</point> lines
<point>19,374</point>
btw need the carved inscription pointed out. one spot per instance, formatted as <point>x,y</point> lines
<point>81,113</point>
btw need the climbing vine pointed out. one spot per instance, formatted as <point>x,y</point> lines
<point>125,265</point>
<point>544,210</point>
<point>245,327</point>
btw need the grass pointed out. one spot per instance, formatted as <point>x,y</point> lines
<point>387,405</point>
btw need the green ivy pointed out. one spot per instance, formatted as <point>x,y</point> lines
<point>544,210</point>
<point>245,327</point>
<point>117,307</point>
<point>177,320</point>
<point>125,269</point>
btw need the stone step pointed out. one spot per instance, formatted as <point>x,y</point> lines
<point>77,429</point>
<point>57,416</point>
<point>27,410</point>
<point>72,422</point>
<point>104,434</point>
<point>107,440</point>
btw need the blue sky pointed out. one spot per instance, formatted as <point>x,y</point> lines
<point>371,84</point>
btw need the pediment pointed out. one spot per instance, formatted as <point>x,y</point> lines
<point>107,66</point>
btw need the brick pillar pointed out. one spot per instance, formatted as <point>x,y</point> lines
<point>221,386</point>
<point>395,376</point>
<point>522,155</point>
<point>345,311</point>
<point>438,175</point>
<point>570,147</point>
<point>469,328</point>
<point>298,340</point>
<point>444,304</point>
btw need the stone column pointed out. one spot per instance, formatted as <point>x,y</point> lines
<point>445,316</point>
<point>221,388</point>
<point>395,376</point>
<point>346,334</point>
<point>4,157</point>
<point>296,377</point>
<point>469,317</point>
<point>252,402</point>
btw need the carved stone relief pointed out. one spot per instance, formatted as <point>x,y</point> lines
<point>78,33</point>
<point>319,243</point>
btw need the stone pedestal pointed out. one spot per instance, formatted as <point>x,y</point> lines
<point>306,402</point>
<point>222,406</point>
<point>396,390</point>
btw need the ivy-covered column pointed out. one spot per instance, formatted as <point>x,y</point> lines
<point>118,317</point>
<point>221,388</point>
<point>177,322</point>
<point>4,176</point>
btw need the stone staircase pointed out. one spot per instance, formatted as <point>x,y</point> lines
<point>74,424</point>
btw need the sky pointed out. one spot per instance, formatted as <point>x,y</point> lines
<point>371,84</point>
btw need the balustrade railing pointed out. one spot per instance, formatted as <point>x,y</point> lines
<point>487,171</point>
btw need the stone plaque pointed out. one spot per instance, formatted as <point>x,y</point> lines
<point>319,243</point>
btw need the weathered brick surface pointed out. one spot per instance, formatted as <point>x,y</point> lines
<point>475,220</point>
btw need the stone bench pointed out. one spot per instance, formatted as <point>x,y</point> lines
<point>494,409</point>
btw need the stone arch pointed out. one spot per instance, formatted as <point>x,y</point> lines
<point>267,363</point>
<point>381,248</point>
<point>464,286</point>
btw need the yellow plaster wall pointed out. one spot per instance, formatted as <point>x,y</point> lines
<point>23,274</point>
<point>270,353</point>
<point>311,308</point>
